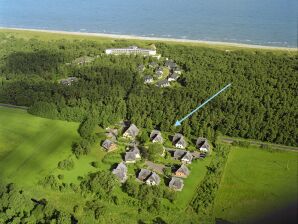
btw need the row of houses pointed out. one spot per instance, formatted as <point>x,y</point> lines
<point>152,178</point>
<point>132,132</point>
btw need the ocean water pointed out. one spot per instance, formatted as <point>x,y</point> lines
<point>261,22</point>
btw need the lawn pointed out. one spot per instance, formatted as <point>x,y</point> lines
<point>30,146</point>
<point>255,182</point>
<point>198,170</point>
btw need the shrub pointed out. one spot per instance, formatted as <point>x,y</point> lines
<point>67,164</point>
<point>82,147</point>
<point>95,164</point>
<point>87,127</point>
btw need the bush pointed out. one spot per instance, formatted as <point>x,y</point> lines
<point>82,147</point>
<point>50,181</point>
<point>87,127</point>
<point>67,164</point>
<point>95,164</point>
<point>60,176</point>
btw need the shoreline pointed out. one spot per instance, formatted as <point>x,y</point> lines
<point>162,39</point>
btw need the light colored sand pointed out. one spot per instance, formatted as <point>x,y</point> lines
<point>117,36</point>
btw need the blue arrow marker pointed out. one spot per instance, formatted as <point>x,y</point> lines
<point>178,122</point>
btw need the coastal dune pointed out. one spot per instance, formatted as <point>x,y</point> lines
<point>133,37</point>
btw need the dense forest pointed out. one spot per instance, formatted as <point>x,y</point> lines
<point>262,103</point>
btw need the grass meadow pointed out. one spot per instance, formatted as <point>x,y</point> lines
<point>31,147</point>
<point>256,181</point>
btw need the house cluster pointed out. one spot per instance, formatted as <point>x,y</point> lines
<point>174,73</point>
<point>83,60</point>
<point>68,81</point>
<point>132,155</point>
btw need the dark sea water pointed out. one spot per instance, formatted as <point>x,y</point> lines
<point>263,22</point>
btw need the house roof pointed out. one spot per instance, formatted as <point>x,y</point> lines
<point>135,150</point>
<point>121,172</point>
<point>202,143</point>
<point>176,137</point>
<point>170,64</point>
<point>121,167</point>
<point>153,64</point>
<point>68,80</point>
<point>187,157</point>
<point>148,77</point>
<point>174,76</point>
<point>176,183</point>
<point>141,67</point>
<point>183,169</point>
<point>132,130</point>
<point>112,133</point>
<point>154,178</point>
<point>144,174</point>
<point>107,144</point>
<point>154,133</point>
<point>179,153</point>
<point>83,59</point>
<point>177,69</point>
<point>130,156</point>
<point>156,136</point>
<point>159,70</point>
<point>163,82</point>
<point>182,142</point>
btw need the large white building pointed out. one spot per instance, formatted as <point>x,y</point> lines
<point>131,50</point>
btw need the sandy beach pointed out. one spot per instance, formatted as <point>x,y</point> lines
<point>132,37</point>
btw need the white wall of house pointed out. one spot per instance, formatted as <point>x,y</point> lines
<point>179,146</point>
<point>203,149</point>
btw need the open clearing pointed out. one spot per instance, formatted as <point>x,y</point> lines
<point>256,181</point>
<point>31,147</point>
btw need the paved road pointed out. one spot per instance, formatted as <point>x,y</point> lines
<point>259,144</point>
<point>13,106</point>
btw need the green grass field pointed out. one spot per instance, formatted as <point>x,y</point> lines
<point>31,147</point>
<point>256,181</point>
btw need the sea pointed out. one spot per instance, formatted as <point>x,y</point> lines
<point>259,22</point>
